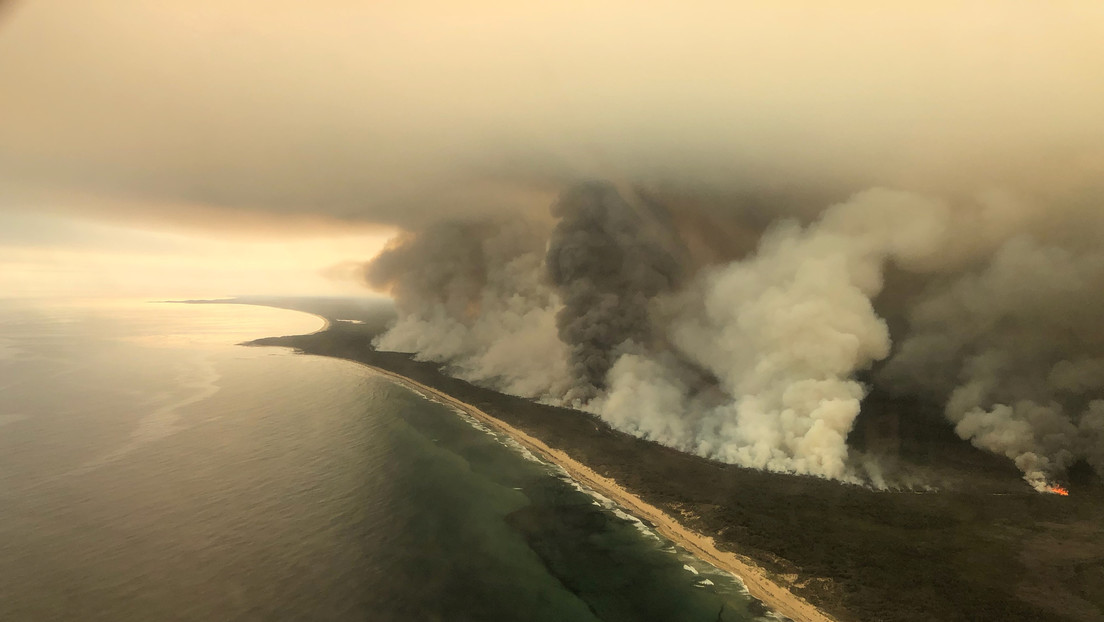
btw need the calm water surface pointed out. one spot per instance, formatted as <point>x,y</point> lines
<point>152,470</point>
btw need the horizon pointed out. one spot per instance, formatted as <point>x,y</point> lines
<point>206,147</point>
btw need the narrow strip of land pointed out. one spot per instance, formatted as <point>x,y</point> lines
<point>985,547</point>
<point>773,595</point>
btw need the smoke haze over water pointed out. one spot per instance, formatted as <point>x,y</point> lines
<point>716,226</point>
<point>408,113</point>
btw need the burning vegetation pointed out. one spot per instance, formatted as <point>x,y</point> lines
<point>1057,489</point>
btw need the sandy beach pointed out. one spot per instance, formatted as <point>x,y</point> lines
<point>856,553</point>
<point>774,595</point>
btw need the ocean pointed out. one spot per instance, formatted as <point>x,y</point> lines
<point>151,469</point>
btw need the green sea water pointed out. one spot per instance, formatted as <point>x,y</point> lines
<point>150,469</point>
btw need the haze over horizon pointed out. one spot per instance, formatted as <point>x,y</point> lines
<point>711,219</point>
<point>243,121</point>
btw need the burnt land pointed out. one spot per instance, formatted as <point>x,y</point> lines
<point>983,546</point>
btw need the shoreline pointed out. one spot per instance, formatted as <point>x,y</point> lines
<point>775,596</point>
<point>772,594</point>
<point>855,553</point>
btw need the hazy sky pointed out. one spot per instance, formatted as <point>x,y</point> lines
<point>249,145</point>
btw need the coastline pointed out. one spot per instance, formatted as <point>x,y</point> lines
<point>774,595</point>
<point>856,553</point>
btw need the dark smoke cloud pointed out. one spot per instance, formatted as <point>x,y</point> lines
<point>442,266</point>
<point>607,265</point>
<point>472,294</point>
<point>754,359</point>
<point>729,299</point>
<point>1015,349</point>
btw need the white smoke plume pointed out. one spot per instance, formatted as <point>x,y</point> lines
<point>757,361</point>
<point>713,324</point>
<point>783,331</point>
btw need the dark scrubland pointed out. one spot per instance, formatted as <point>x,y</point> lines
<point>965,540</point>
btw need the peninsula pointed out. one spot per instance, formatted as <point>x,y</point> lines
<point>811,549</point>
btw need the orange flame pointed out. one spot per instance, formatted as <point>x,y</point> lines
<point>1058,490</point>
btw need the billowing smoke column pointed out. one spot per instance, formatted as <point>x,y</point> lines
<point>607,266</point>
<point>1017,347</point>
<point>754,361</point>
<point>784,331</point>
<point>470,295</point>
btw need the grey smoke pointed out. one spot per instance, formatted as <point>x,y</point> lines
<point>442,266</point>
<point>607,265</point>
<point>754,360</point>
<point>471,295</point>
<point>1016,348</point>
<point>784,332</point>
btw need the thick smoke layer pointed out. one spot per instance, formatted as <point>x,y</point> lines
<point>470,295</point>
<point>713,324</point>
<point>755,360</point>
<point>607,267</point>
<point>784,331</point>
<point>1017,348</point>
<point>407,113</point>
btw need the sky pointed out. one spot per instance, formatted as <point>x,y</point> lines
<point>220,147</point>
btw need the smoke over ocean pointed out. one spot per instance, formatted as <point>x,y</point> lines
<point>749,348</point>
